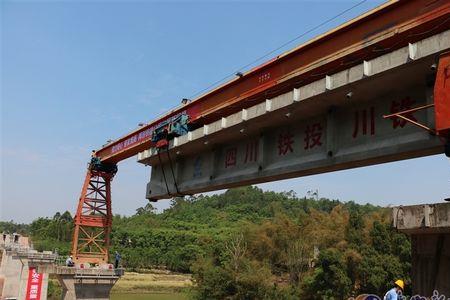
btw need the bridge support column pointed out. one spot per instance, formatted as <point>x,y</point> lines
<point>87,283</point>
<point>429,228</point>
<point>23,272</point>
<point>431,263</point>
<point>74,288</point>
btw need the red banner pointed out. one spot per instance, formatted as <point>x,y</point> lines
<point>34,285</point>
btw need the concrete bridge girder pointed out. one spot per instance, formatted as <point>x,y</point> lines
<point>331,124</point>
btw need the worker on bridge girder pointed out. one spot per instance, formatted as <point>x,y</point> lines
<point>396,292</point>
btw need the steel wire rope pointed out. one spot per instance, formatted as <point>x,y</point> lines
<point>163,172</point>
<point>173,173</point>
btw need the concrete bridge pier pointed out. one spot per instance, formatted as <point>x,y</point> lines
<point>19,278</point>
<point>89,283</point>
<point>428,226</point>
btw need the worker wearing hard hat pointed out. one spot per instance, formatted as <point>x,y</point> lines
<point>69,261</point>
<point>393,294</point>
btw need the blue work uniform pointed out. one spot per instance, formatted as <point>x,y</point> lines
<point>391,295</point>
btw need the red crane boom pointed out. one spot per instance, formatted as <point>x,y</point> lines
<point>388,27</point>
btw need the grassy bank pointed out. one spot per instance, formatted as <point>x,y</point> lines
<point>153,281</point>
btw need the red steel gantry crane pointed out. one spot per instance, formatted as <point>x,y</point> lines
<point>384,29</point>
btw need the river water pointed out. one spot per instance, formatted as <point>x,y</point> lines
<point>171,296</point>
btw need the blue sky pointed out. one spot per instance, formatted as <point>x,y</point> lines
<point>75,74</point>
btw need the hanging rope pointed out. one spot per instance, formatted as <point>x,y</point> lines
<point>164,173</point>
<point>171,170</point>
<point>173,173</point>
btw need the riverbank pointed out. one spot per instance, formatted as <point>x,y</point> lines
<point>152,281</point>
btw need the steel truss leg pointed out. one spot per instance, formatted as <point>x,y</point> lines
<point>93,220</point>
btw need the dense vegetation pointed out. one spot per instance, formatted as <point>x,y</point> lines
<point>250,244</point>
<point>11,227</point>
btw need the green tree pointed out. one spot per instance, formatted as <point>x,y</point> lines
<point>329,279</point>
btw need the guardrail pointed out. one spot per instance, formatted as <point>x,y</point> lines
<point>98,273</point>
<point>43,256</point>
<point>15,247</point>
<point>90,273</point>
<point>30,254</point>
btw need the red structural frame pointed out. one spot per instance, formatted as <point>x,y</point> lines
<point>93,219</point>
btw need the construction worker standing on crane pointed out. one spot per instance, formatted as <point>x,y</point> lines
<point>396,292</point>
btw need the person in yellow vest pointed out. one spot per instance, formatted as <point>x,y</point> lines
<point>393,294</point>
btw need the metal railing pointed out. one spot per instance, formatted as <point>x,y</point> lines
<point>43,256</point>
<point>97,273</point>
<point>90,273</point>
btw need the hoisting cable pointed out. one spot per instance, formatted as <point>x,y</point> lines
<point>164,173</point>
<point>173,173</point>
